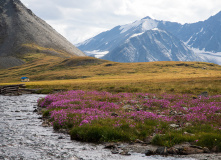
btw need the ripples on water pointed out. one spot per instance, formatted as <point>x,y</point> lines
<point>23,137</point>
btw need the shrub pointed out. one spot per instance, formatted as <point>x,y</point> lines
<point>210,140</point>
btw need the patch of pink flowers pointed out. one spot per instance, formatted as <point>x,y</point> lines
<point>83,107</point>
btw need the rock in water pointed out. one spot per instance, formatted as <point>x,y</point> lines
<point>21,31</point>
<point>148,152</point>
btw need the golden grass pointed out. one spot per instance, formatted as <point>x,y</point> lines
<point>89,73</point>
<point>39,49</point>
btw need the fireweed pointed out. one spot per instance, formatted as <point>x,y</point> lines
<point>136,115</point>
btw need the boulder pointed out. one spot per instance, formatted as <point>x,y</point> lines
<point>215,149</point>
<point>138,141</point>
<point>110,146</point>
<point>115,151</point>
<point>173,112</point>
<point>189,134</point>
<point>174,126</point>
<point>188,124</point>
<point>125,153</point>
<point>172,150</point>
<point>149,152</point>
<point>162,151</point>
<point>203,94</point>
<point>190,150</point>
<point>114,114</point>
<point>148,140</point>
<point>128,108</point>
<point>206,150</point>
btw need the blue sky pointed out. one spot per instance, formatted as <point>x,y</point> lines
<point>78,20</point>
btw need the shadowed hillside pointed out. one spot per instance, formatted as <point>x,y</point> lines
<point>22,32</point>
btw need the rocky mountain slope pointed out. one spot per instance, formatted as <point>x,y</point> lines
<point>152,45</point>
<point>21,32</point>
<point>143,41</point>
<point>203,35</point>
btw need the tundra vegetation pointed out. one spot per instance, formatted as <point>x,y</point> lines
<point>100,116</point>
<point>108,101</point>
<point>85,73</point>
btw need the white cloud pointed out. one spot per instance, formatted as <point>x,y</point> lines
<point>80,20</point>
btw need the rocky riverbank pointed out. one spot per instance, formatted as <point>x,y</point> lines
<point>184,150</point>
<point>16,90</point>
<point>22,136</point>
<point>143,119</point>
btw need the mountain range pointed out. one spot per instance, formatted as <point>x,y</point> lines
<point>22,32</point>
<point>148,40</point>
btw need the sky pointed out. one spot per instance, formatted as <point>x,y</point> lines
<point>78,20</point>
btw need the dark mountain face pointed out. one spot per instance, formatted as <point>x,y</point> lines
<point>144,40</point>
<point>203,36</point>
<point>103,41</point>
<point>152,45</point>
<point>208,35</point>
<point>19,27</point>
<point>108,40</point>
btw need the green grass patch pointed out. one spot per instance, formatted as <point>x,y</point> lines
<point>99,134</point>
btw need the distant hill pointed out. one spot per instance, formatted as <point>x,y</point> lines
<point>21,32</point>
<point>144,41</point>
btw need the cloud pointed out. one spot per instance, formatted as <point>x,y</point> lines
<point>80,20</point>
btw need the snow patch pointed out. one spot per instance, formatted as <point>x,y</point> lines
<point>186,43</point>
<point>202,30</point>
<point>155,29</point>
<point>159,30</point>
<point>149,24</point>
<point>134,35</point>
<point>146,24</point>
<point>137,34</point>
<point>167,52</point>
<point>208,56</point>
<point>96,53</point>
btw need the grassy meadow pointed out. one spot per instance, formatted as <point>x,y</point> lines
<point>86,73</point>
<point>108,101</point>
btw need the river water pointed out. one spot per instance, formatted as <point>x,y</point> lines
<point>23,138</point>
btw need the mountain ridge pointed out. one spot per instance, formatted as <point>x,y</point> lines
<point>160,46</point>
<point>191,34</point>
<point>19,26</point>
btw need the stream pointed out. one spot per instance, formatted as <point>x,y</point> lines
<point>23,137</point>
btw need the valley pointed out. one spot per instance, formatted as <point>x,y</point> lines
<point>157,83</point>
<point>89,73</point>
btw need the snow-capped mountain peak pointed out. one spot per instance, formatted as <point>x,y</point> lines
<point>147,17</point>
<point>148,39</point>
<point>144,24</point>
